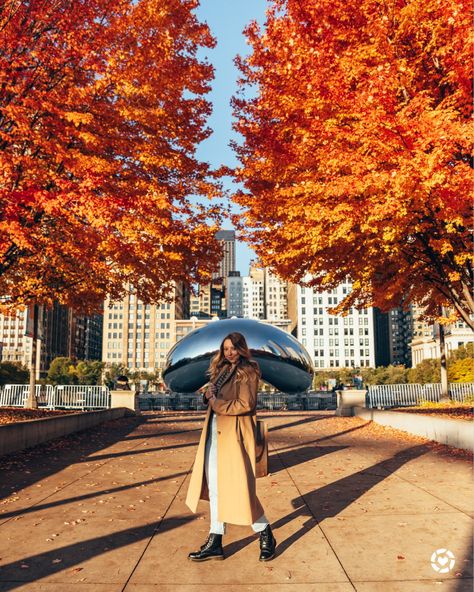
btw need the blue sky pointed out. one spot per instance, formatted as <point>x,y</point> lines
<point>227,19</point>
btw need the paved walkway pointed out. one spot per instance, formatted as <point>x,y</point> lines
<point>354,507</point>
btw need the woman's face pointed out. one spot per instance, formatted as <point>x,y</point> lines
<point>230,353</point>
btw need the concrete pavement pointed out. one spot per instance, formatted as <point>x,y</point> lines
<point>354,506</point>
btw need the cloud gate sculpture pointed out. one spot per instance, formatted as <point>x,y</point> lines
<point>283,361</point>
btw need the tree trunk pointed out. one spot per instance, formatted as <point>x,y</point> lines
<point>444,370</point>
<point>31,401</point>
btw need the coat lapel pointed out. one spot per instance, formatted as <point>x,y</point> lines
<point>228,377</point>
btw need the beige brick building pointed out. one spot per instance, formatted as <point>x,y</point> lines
<point>14,345</point>
<point>140,335</point>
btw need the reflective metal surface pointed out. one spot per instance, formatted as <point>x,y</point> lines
<point>283,361</point>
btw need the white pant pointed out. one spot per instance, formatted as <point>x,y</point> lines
<point>211,476</point>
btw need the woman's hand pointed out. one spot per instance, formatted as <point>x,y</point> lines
<point>211,392</point>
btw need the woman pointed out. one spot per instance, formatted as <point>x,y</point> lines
<point>224,468</point>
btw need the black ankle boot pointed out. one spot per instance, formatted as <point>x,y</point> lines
<point>212,549</point>
<point>267,544</point>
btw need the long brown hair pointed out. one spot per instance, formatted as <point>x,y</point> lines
<point>245,364</point>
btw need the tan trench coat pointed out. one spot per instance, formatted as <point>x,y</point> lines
<point>235,408</point>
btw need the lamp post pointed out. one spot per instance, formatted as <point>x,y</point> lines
<point>31,401</point>
<point>443,364</point>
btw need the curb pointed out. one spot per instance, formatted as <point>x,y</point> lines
<point>25,434</point>
<point>457,433</point>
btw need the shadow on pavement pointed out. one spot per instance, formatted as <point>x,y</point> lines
<point>192,416</point>
<point>82,498</point>
<point>292,424</point>
<point>330,437</point>
<point>139,451</point>
<point>24,468</point>
<point>328,501</point>
<point>159,434</point>
<point>43,565</point>
<point>303,454</point>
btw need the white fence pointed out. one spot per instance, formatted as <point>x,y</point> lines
<point>57,397</point>
<point>460,390</point>
<point>81,397</point>
<point>15,395</point>
<point>405,395</point>
<point>98,397</point>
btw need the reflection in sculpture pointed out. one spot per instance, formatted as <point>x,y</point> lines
<point>283,361</point>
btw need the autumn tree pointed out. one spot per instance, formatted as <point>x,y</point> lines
<point>112,372</point>
<point>102,105</point>
<point>461,367</point>
<point>13,373</point>
<point>356,153</point>
<point>62,371</point>
<point>391,374</point>
<point>89,371</point>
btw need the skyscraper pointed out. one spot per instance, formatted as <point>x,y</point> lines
<point>227,240</point>
<point>401,334</point>
<point>233,291</point>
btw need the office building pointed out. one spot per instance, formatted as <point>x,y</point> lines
<point>275,296</point>
<point>264,295</point>
<point>226,239</point>
<point>400,328</point>
<point>234,294</point>
<point>85,336</point>
<point>15,345</point>
<point>209,301</point>
<point>425,343</point>
<point>61,333</point>
<point>140,335</point>
<point>253,304</point>
<point>200,303</point>
<point>335,341</point>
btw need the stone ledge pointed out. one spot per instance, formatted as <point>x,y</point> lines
<point>348,399</point>
<point>458,433</point>
<point>25,434</point>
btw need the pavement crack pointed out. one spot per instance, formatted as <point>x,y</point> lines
<point>155,531</point>
<point>310,512</point>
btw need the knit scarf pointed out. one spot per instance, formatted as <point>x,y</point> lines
<point>223,376</point>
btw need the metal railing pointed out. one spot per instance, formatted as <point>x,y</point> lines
<point>15,395</point>
<point>57,397</point>
<point>98,397</point>
<point>406,395</point>
<point>309,401</point>
<point>173,402</point>
<point>265,401</point>
<point>71,396</point>
<point>460,390</point>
